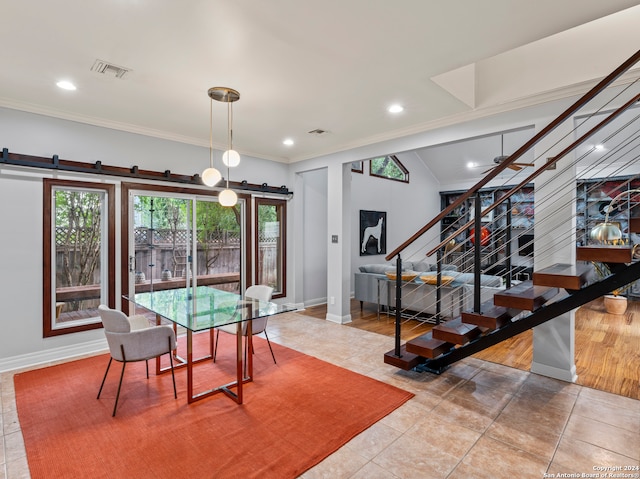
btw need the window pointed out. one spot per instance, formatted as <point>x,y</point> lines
<point>174,236</point>
<point>79,254</point>
<point>178,236</point>
<point>388,167</point>
<point>270,244</point>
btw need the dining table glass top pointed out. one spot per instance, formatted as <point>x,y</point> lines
<point>202,308</point>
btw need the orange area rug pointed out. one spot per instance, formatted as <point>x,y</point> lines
<point>295,414</point>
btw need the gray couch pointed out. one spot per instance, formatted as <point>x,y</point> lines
<point>372,285</point>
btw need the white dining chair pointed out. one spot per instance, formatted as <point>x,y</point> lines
<point>132,339</point>
<point>259,292</point>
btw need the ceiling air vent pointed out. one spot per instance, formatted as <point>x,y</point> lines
<point>318,132</point>
<point>106,68</point>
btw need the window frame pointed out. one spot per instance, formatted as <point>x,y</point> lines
<point>397,162</point>
<point>48,254</point>
<point>126,225</point>
<point>281,204</point>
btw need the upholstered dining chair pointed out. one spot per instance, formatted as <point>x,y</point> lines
<point>132,339</point>
<point>260,292</point>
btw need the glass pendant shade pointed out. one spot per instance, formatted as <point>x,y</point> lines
<point>211,176</point>
<point>231,158</point>
<point>228,197</point>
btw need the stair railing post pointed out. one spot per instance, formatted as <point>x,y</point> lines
<point>508,245</point>
<point>476,253</point>
<point>438,285</point>
<point>398,304</point>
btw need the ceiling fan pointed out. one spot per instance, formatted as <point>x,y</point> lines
<point>499,159</point>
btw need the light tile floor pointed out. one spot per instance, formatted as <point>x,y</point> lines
<point>477,420</point>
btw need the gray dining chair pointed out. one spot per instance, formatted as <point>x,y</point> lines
<point>259,292</point>
<point>132,339</point>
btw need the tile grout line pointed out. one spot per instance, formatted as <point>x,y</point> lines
<point>482,368</point>
<point>564,428</point>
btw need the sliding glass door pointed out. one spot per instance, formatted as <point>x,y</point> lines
<point>162,237</point>
<point>181,239</point>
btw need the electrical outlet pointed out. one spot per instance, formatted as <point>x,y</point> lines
<point>334,238</point>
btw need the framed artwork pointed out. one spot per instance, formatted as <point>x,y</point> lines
<point>373,232</point>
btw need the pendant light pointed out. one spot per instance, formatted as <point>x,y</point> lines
<point>211,176</point>
<point>230,158</point>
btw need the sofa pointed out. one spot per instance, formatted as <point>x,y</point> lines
<point>418,297</point>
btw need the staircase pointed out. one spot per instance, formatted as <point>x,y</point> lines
<point>552,291</point>
<point>502,318</point>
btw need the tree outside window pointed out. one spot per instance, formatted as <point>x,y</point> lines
<point>270,244</point>
<point>78,252</point>
<point>388,167</point>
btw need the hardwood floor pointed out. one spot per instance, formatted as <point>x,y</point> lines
<point>607,347</point>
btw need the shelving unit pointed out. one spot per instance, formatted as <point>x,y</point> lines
<point>593,198</point>
<point>493,253</point>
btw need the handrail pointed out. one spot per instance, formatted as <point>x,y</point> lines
<point>587,97</point>
<point>552,161</point>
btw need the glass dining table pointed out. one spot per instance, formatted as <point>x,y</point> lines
<point>202,309</point>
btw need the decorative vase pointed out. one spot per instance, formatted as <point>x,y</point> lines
<point>140,277</point>
<point>615,304</point>
<point>166,275</point>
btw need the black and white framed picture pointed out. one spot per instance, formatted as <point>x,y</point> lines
<point>373,232</point>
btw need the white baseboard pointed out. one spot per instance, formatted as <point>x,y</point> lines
<point>334,318</point>
<point>555,373</point>
<point>315,302</point>
<point>50,355</point>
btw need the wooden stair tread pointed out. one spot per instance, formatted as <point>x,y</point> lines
<point>634,225</point>
<point>428,347</point>
<point>524,296</point>
<point>406,361</point>
<point>490,316</point>
<point>605,253</point>
<point>456,332</point>
<point>563,275</point>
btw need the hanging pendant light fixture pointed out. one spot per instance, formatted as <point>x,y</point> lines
<point>211,175</point>
<point>230,158</point>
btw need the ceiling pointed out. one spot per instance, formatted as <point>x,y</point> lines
<point>334,65</point>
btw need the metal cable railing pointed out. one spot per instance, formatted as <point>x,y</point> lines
<point>594,170</point>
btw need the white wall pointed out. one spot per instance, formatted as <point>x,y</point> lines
<point>21,199</point>
<point>38,135</point>
<point>409,206</point>
<point>314,237</point>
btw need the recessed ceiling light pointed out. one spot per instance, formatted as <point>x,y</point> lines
<point>395,108</point>
<point>599,147</point>
<point>288,142</point>
<point>66,85</point>
<point>471,164</point>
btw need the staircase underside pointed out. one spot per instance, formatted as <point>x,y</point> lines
<point>458,339</point>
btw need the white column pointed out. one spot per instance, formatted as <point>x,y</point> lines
<point>553,341</point>
<point>295,242</point>
<point>339,239</point>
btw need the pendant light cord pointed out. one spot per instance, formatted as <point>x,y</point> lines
<point>229,136</point>
<point>211,132</point>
